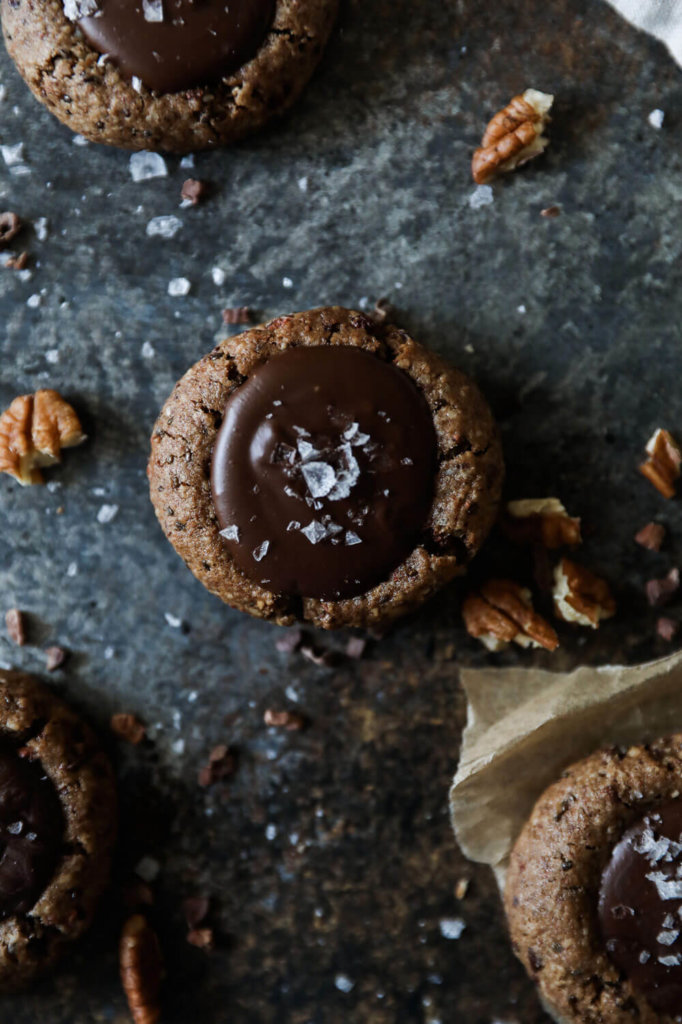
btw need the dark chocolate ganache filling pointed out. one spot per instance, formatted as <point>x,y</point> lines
<point>323,471</point>
<point>640,907</point>
<point>172,45</point>
<point>31,832</point>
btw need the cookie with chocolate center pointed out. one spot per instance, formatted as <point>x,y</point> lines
<point>57,827</point>
<point>594,888</point>
<point>324,468</point>
<point>178,75</point>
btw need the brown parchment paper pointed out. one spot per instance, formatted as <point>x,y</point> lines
<point>524,726</point>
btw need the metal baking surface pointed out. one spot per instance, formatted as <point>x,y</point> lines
<point>328,856</point>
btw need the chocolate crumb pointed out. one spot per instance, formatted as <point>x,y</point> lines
<point>128,727</point>
<point>237,315</point>
<point>666,628</point>
<point>10,225</point>
<point>284,720</point>
<point>194,190</point>
<point>550,211</point>
<point>290,642</point>
<point>660,592</point>
<point>16,626</point>
<point>195,909</point>
<point>355,648</point>
<point>651,536</point>
<point>221,764</point>
<point>19,262</point>
<point>55,656</point>
<point>202,938</point>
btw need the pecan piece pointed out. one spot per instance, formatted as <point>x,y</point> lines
<point>127,727</point>
<point>32,433</point>
<point>580,596</point>
<point>502,613</point>
<point>651,536</point>
<point>16,626</point>
<point>542,521</point>
<point>660,592</point>
<point>10,226</point>
<point>237,315</point>
<point>141,969</point>
<point>662,468</point>
<point>194,190</point>
<point>289,720</point>
<point>19,262</point>
<point>514,136</point>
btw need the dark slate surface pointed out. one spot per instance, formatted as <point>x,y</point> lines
<point>328,857</point>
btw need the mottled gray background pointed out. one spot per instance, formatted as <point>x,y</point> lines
<point>328,857</point>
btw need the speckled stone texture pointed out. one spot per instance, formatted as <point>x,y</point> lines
<point>328,855</point>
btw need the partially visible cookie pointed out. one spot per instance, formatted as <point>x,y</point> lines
<point>178,75</point>
<point>57,827</point>
<point>325,468</point>
<point>594,888</point>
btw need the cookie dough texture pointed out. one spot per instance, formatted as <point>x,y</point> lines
<point>94,99</point>
<point>552,888</point>
<point>33,718</point>
<point>467,489</point>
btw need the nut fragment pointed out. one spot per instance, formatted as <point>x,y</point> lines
<point>541,521</point>
<point>514,136</point>
<point>202,938</point>
<point>221,764</point>
<point>237,315</point>
<point>10,226</point>
<point>662,468</point>
<point>19,262</point>
<point>651,536</point>
<point>54,658</point>
<point>660,592</point>
<point>127,727</point>
<point>502,612</point>
<point>580,596</point>
<point>194,190</point>
<point>32,433</point>
<point>141,969</point>
<point>667,628</point>
<point>16,626</point>
<point>284,720</point>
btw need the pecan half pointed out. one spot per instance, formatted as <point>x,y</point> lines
<point>662,468</point>
<point>514,136</point>
<point>141,969</point>
<point>580,596</point>
<point>502,613</point>
<point>540,521</point>
<point>32,433</point>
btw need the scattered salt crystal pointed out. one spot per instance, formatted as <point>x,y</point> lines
<point>187,161</point>
<point>667,888</point>
<point>287,282</point>
<point>481,196</point>
<point>25,275</point>
<point>40,226</point>
<point>109,653</point>
<point>270,832</point>
<point>218,275</point>
<point>452,927</point>
<point>293,525</point>
<point>107,513</point>
<point>173,621</point>
<point>77,9</point>
<point>80,140</point>
<point>145,165</point>
<point>147,351</point>
<point>261,551</point>
<point>292,694</point>
<point>656,118</point>
<point>644,956</point>
<point>344,983</point>
<point>52,355</point>
<point>101,60</point>
<point>319,477</point>
<point>345,478</point>
<point>668,921</point>
<point>72,569</point>
<point>352,538</point>
<point>18,170</point>
<point>178,746</point>
<point>407,461</point>
<point>53,486</point>
<point>33,301</point>
<point>314,531</point>
<point>15,828</point>
<point>179,286</point>
<point>164,226</point>
<point>230,532</point>
<point>148,869</point>
<point>354,435</point>
<point>669,961</point>
<point>152,10</point>
<point>136,83</point>
<point>192,696</point>
<point>3,93</point>
<point>666,938</point>
<point>521,309</point>
<point>305,449</point>
<point>303,184</point>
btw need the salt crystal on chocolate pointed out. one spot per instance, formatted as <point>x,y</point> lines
<point>230,532</point>
<point>152,10</point>
<point>261,551</point>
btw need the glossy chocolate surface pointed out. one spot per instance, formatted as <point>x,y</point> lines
<point>323,471</point>
<point>171,45</point>
<point>640,907</point>
<point>31,830</point>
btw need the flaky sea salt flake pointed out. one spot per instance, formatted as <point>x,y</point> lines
<point>230,532</point>
<point>77,9</point>
<point>481,196</point>
<point>669,961</point>
<point>314,531</point>
<point>179,286</point>
<point>452,927</point>
<point>352,538</point>
<point>13,155</point>
<point>107,513</point>
<point>152,10</point>
<point>667,889</point>
<point>656,118</point>
<point>667,937</point>
<point>145,165</point>
<point>261,551</point>
<point>319,477</point>
<point>165,226</point>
